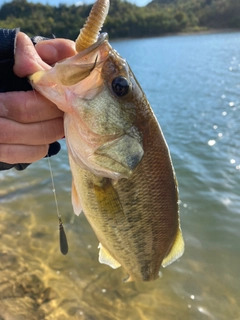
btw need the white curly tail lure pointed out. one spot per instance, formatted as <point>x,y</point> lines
<point>89,33</point>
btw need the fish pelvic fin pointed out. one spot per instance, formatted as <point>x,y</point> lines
<point>106,258</point>
<point>176,250</point>
<point>77,208</point>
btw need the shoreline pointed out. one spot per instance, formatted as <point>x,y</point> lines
<point>208,31</point>
<point>182,33</point>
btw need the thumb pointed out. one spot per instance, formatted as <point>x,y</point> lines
<point>27,60</point>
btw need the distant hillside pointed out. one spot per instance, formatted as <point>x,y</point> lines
<point>204,13</point>
<point>125,19</point>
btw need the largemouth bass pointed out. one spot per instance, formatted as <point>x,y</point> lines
<point>122,173</point>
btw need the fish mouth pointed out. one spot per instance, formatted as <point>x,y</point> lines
<point>69,72</point>
<point>72,71</point>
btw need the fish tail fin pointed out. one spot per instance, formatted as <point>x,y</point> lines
<point>176,250</point>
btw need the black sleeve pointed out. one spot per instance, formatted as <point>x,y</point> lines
<point>10,82</point>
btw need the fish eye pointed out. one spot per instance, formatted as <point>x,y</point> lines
<point>120,86</point>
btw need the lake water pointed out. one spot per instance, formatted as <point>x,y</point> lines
<point>193,85</point>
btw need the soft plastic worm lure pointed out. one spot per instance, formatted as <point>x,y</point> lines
<point>90,31</point>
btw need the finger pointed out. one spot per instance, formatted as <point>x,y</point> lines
<point>27,107</point>
<point>51,51</point>
<point>31,134</point>
<point>22,153</point>
<point>27,60</point>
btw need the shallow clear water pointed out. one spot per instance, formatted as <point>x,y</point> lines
<point>193,85</point>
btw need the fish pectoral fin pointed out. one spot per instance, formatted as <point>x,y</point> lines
<point>121,155</point>
<point>106,258</point>
<point>176,250</point>
<point>70,74</point>
<point>77,208</point>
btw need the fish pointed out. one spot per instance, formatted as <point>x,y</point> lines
<point>122,173</point>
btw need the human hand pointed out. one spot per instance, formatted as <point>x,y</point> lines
<point>28,121</point>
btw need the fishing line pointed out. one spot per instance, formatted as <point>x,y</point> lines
<point>62,235</point>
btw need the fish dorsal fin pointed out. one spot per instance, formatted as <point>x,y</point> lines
<point>70,74</point>
<point>176,250</point>
<point>106,258</point>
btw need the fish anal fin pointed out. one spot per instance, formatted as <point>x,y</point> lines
<point>176,250</point>
<point>77,208</point>
<point>106,258</point>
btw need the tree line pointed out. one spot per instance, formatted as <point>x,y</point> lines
<point>124,19</point>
